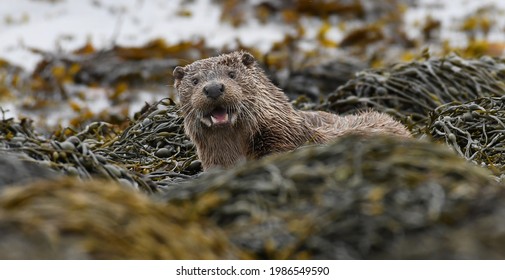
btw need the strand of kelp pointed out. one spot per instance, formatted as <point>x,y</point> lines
<point>410,91</point>
<point>476,130</point>
<point>153,148</point>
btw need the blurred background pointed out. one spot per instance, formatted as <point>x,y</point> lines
<point>75,76</point>
<point>70,62</point>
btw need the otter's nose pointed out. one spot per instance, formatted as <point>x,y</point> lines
<point>214,90</point>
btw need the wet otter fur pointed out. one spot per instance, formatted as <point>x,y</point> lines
<point>233,112</point>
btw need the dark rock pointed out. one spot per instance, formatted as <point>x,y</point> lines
<point>20,170</point>
<point>164,152</point>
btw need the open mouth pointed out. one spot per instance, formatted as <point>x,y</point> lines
<point>218,116</point>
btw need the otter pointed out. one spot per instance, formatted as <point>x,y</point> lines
<point>233,112</point>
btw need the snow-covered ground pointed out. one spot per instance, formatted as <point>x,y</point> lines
<point>451,14</point>
<point>68,24</point>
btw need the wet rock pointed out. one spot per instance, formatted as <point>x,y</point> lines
<point>19,169</point>
<point>164,152</point>
<point>317,81</point>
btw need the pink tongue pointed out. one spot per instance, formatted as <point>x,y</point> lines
<point>219,116</point>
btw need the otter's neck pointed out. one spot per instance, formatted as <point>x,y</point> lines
<point>221,147</point>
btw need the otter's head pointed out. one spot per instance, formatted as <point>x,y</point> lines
<point>213,92</point>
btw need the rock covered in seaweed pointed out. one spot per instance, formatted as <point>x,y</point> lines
<point>478,237</point>
<point>353,199</point>
<point>153,148</point>
<point>73,155</point>
<point>372,198</point>
<point>73,219</point>
<point>155,144</point>
<point>474,129</point>
<point>410,91</point>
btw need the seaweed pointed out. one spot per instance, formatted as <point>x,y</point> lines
<point>475,130</point>
<point>152,148</point>
<point>155,144</point>
<point>353,199</point>
<point>410,91</point>
<point>150,63</point>
<point>73,219</point>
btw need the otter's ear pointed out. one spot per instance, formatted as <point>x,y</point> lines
<point>247,59</point>
<point>178,73</point>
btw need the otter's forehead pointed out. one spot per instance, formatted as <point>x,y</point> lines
<point>215,63</point>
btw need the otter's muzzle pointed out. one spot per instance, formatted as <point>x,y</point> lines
<point>214,90</point>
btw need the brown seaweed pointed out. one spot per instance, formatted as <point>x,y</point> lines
<point>154,147</point>
<point>352,199</point>
<point>155,144</point>
<point>74,156</point>
<point>74,219</point>
<point>476,130</point>
<point>151,63</point>
<point>410,91</point>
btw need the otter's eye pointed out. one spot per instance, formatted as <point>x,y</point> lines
<point>232,74</point>
<point>195,81</point>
